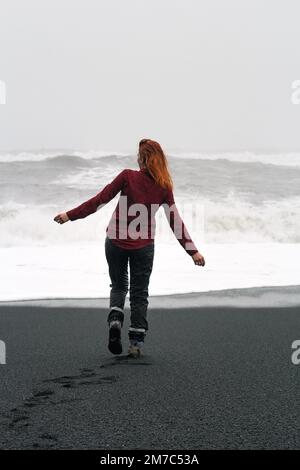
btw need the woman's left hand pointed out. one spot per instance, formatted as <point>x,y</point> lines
<point>61,218</point>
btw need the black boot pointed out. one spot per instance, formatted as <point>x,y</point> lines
<point>114,339</point>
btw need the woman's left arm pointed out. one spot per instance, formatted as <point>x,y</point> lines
<point>96,202</point>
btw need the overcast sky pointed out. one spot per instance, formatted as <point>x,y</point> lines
<point>195,75</point>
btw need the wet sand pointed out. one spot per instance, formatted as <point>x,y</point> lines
<point>212,377</point>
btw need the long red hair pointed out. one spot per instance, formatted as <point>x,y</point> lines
<point>153,158</point>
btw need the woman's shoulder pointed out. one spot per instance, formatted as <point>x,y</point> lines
<point>130,171</point>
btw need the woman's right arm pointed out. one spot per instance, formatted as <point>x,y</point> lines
<point>179,229</point>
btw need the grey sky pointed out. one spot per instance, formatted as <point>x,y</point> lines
<point>194,75</point>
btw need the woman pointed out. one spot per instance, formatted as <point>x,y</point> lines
<point>130,238</point>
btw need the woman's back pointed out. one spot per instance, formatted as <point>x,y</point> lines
<point>132,224</point>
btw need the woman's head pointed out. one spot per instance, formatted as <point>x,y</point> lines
<point>152,157</point>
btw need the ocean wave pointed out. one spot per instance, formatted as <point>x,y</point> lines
<point>229,220</point>
<point>280,159</point>
<point>290,159</point>
<point>48,155</point>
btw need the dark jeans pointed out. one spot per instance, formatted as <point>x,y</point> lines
<point>140,264</point>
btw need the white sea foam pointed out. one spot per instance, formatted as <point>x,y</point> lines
<point>81,271</point>
<point>228,221</point>
<point>249,231</point>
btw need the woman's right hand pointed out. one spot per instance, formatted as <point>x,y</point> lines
<point>198,259</point>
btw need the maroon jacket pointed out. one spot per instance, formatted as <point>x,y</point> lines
<point>137,187</point>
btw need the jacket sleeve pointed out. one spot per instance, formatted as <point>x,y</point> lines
<point>103,197</point>
<point>177,225</point>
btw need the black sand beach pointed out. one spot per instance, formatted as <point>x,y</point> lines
<point>212,378</point>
